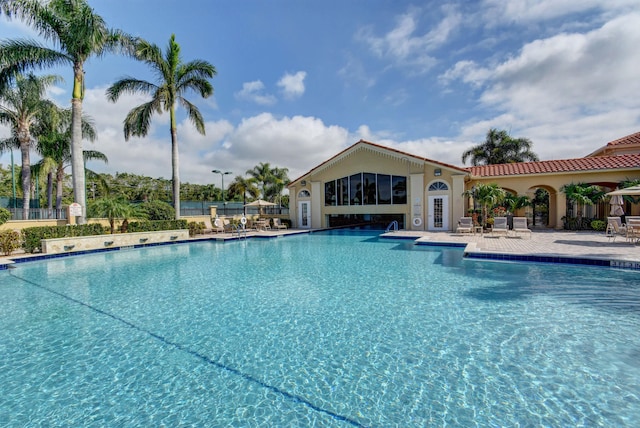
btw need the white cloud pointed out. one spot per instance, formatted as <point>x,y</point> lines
<point>559,89</point>
<point>254,92</point>
<point>404,46</point>
<point>293,84</point>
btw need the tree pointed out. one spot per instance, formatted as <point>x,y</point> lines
<point>242,187</point>
<point>582,194</point>
<point>22,108</point>
<point>54,145</point>
<point>112,209</point>
<point>487,195</point>
<point>499,147</point>
<point>80,33</point>
<point>270,181</point>
<point>175,78</point>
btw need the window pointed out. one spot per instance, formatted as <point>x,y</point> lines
<point>355,189</point>
<point>343,191</point>
<point>304,194</point>
<point>369,185</point>
<point>330,193</point>
<point>438,185</point>
<point>399,186</point>
<point>367,188</point>
<point>384,189</point>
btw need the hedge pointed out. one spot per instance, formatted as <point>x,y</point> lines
<point>33,235</point>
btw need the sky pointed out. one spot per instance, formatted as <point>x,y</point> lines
<point>299,81</point>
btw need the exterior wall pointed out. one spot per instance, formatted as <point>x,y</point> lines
<point>527,184</point>
<point>371,159</point>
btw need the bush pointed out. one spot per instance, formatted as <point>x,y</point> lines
<point>9,241</point>
<point>599,225</point>
<point>5,215</point>
<point>33,235</point>
<point>196,228</point>
<point>158,210</point>
<point>153,226</point>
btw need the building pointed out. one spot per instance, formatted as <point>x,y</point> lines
<point>371,184</point>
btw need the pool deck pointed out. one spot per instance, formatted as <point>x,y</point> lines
<point>583,247</point>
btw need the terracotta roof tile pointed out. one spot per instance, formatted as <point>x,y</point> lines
<point>629,139</point>
<point>557,166</point>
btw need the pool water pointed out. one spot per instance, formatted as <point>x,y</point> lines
<point>327,329</point>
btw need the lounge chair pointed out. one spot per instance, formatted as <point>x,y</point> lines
<point>277,224</point>
<point>218,225</point>
<point>520,226</point>
<point>615,227</point>
<point>465,225</point>
<point>500,226</point>
<point>633,229</point>
<point>208,227</point>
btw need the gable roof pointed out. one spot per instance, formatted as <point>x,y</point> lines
<point>558,166</point>
<point>378,148</point>
<point>619,144</point>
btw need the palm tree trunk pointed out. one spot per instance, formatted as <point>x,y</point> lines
<point>175,165</point>
<point>59,186</point>
<point>50,190</point>
<point>24,138</point>
<point>77,159</point>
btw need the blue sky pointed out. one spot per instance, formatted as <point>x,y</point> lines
<point>299,81</point>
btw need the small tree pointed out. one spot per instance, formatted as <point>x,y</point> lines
<point>487,195</point>
<point>582,194</point>
<point>112,209</point>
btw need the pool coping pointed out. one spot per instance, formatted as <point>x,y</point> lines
<point>471,250</point>
<point>9,261</point>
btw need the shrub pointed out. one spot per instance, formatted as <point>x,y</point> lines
<point>9,241</point>
<point>5,215</point>
<point>599,225</point>
<point>152,226</point>
<point>158,210</point>
<point>196,228</point>
<point>33,235</point>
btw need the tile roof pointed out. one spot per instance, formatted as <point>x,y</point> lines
<point>629,139</point>
<point>558,166</point>
<point>380,147</point>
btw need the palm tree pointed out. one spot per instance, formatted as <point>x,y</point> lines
<point>112,209</point>
<point>278,180</point>
<point>80,33</point>
<point>22,107</point>
<point>175,78</point>
<point>241,186</point>
<point>487,195</point>
<point>582,194</point>
<point>499,147</point>
<point>54,145</point>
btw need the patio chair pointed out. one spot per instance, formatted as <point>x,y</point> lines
<point>520,226</point>
<point>277,224</point>
<point>208,227</point>
<point>218,226</point>
<point>615,227</point>
<point>465,225</point>
<point>500,226</point>
<point>633,230</point>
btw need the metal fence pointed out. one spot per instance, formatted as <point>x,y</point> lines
<point>38,214</point>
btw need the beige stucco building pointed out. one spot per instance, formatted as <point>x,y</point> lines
<point>371,184</point>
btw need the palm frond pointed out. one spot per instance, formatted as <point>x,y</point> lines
<point>194,115</point>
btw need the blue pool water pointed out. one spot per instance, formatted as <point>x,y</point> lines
<point>327,329</point>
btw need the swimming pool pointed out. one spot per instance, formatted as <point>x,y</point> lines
<point>328,329</point>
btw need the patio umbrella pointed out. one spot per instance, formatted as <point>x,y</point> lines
<point>260,203</point>
<point>631,191</point>
<point>616,203</point>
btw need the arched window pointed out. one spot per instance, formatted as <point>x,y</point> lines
<point>304,194</point>
<point>438,185</point>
